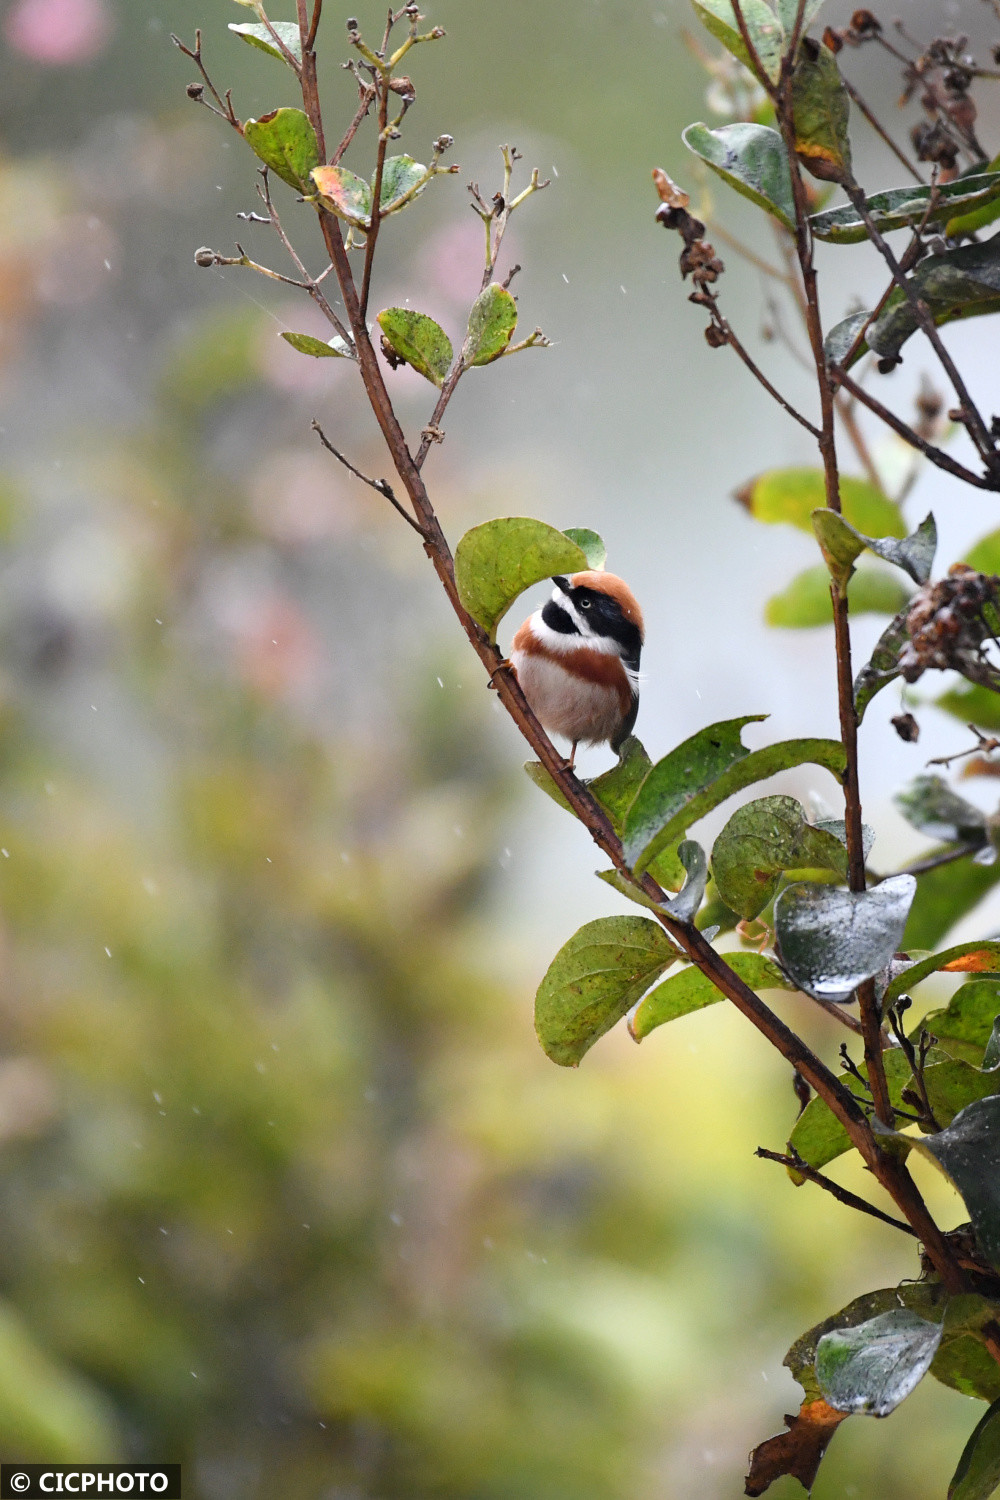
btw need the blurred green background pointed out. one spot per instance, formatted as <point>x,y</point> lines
<point>288,1191</point>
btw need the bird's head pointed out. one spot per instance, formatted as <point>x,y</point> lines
<point>601,609</point>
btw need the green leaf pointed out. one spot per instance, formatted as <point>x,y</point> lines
<point>286,142</point>
<point>491,323</point>
<point>978,1473</point>
<point>497,561</point>
<point>685,904</point>
<point>841,544</point>
<point>791,495</point>
<point>883,666</point>
<point>966,1365</point>
<point>930,805</point>
<point>788,12</point>
<point>259,36</point>
<point>946,895</point>
<point>901,208</point>
<point>345,194</point>
<point>418,340</point>
<point>925,1298</point>
<point>972,704</point>
<point>402,178</point>
<point>306,344</point>
<point>968,1152</point>
<point>985,555</point>
<point>752,159</point>
<point>761,841</point>
<point>692,990</point>
<point>821,107</point>
<point>957,283</point>
<point>831,940</point>
<point>594,979</point>
<point>840,339</point>
<point>979,956</point>
<point>806,601</point>
<point>590,544</point>
<point>871,1368</point>
<point>615,789</point>
<point>701,773</point>
<point>763,26</point>
<point>964,1027</point>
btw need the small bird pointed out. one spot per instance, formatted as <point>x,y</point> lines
<point>577,660</point>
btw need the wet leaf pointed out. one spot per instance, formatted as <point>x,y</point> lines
<point>788,12</point>
<point>842,544</point>
<point>883,665</point>
<point>930,805</point>
<point>821,107</point>
<point>958,283</point>
<point>418,340</point>
<point>701,773</point>
<point>692,990</point>
<point>763,839</point>
<point>978,1473</point>
<point>286,142</point>
<point>944,896</point>
<point>752,159</point>
<point>594,979</point>
<point>968,1152</point>
<point>305,343</point>
<point>590,544</point>
<point>685,904</point>
<point>831,940</point>
<point>871,1368</point>
<point>806,603</point>
<point>491,323</point>
<point>615,790</point>
<point>345,194</point>
<point>964,1027</point>
<point>400,175</point>
<point>790,496</point>
<point>258,35</point>
<point>497,561</point>
<point>839,543</point>
<point>840,340</point>
<point>763,26</point>
<point>973,705</point>
<point>905,207</point>
<point>797,1452</point>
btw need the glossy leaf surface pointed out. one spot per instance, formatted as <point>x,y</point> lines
<point>905,207</point>
<point>831,940</point>
<point>762,840</point>
<point>692,990</point>
<point>400,176</point>
<point>258,35</point>
<point>968,1151</point>
<point>594,979</point>
<point>958,283</point>
<point>842,544</point>
<point>418,340</point>
<point>750,158</point>
<point>871,1368</point>
<point>978,1473</point>
<point>346,195</point>
<point>286,142</point>
<point>883,664</point>
<point>685,904</point>
<point>497,561</point>
<point>840,340</point>
<point>306,343</point>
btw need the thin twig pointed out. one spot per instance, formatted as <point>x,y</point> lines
<point>310,283</point>
<point>225,110</point>
<point>381,485</point>
<point>367,92</point>
<point>880,130</point>
<point>936,455</point>
<point>794,1163</point>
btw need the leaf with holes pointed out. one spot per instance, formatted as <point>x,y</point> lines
<point>763,839</point>
<point>497,561</point>
<point>345,194</point>
<point>491,324</point>
<point>831,940</point>
<point>750,158</point>
<point>258,35</point>
<point>418,341</point>
<point>594,979</point>
<point>692,990</point>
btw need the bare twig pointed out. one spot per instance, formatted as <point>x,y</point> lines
<point>936,455</point>
<point>794,1163</point>
<point>881,131</point>
<point>310,283</point>
<point>225,109</point>
<point>381,485</point>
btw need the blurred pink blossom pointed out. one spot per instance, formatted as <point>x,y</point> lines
<point>59,33</point>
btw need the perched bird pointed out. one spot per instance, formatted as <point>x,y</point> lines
<point>577,660</point>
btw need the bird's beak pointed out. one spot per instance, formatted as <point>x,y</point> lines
<point>564,584</point>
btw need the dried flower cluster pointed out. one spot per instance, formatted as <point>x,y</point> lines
<point>948,624</point>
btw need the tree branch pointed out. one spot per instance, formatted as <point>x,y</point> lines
<point>794,1163</point>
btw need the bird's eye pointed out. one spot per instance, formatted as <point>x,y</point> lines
<point>584,603</point>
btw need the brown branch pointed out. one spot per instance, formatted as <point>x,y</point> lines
<point>936,455</point>
<point>367,100</point>
<point>794,1163</point>
<point>309,283</point>
<point>382,90</point>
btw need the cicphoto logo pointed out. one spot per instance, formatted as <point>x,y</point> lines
<point>35,1481</point>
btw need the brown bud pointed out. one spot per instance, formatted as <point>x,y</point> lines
<point>863,23</point>
<point>404,87</point>
<point>715,337</point>
<point>668,190</point>
<point>195,90</point>
<point>833,40</point>
<point>205,257</point>
<point>907,728</point>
